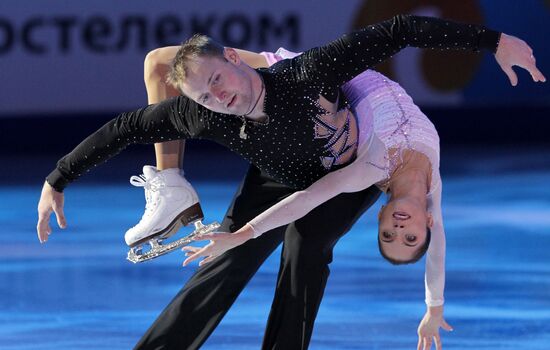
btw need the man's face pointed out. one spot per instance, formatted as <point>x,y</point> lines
<point>219,85</point>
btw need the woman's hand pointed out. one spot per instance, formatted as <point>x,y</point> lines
<point>428,330</point>
<point>220,242</point>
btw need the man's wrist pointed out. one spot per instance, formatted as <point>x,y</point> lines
<point>57,180</point>
<point>489,40</point>
<point>435,310</point>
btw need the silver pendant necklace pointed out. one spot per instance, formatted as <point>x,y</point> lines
<point>242,132</point>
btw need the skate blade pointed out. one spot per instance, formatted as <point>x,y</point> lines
<point>186,217</point>
<point>136,254</point>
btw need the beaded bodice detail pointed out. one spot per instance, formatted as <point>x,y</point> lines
<point>340,130</point>
<point>387,112</point>
<point>305,137</point>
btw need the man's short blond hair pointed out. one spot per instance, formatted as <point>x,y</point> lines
<point>198,45</point>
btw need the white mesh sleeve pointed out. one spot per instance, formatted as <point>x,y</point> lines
<point>435,257</point>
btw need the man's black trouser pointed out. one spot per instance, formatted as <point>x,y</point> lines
<point>197,309</point>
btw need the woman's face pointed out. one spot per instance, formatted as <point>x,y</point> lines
<point>402,228</point>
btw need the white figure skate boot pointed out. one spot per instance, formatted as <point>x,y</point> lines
<point>171,202</point>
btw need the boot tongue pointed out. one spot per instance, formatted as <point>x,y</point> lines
<point>149,171</point>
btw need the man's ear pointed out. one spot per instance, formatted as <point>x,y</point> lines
<point>232,56</point>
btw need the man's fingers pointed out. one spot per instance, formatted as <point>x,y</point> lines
<point>446,326</point>
<point>419,346</point>
<point>43,231</point>
<point>42,227</point>
<point>536,74</point>
<point>438,345</point>
<point>427,344</point>
<point>60,215</point>
<point>511,75</point>
<point>530,64</point>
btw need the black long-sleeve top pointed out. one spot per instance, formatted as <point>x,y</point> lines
<point>287,146</point>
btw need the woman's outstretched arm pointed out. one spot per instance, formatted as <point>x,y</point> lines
<point>428,330</point>
<point>355,177</point>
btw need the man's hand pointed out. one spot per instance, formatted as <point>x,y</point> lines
<point>428,330</point>
<point>513,51</point>
<point>50,201</point>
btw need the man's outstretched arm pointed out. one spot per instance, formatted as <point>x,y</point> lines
<point>177,118</point>
<point>348,56</point>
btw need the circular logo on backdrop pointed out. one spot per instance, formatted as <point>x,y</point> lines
<point>441,71</point>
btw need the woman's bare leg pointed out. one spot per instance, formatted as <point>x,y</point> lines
<point>156,66</point>
<point>169,154</point>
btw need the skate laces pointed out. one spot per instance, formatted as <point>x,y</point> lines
<point>151,186</point>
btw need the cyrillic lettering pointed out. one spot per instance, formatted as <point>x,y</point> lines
<point>127,24</point>
<point>7,36</point>
<point>27,38</point>
<point>64,24</point>
<point>204,26</point>
<point>236,31</point>
<point>95,34</point>
<point>168,31</point>
<point>290,25</point>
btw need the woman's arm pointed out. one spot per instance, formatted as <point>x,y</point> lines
<point>355,177</point>
<point>435,257</point>
<point>428,330</point>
